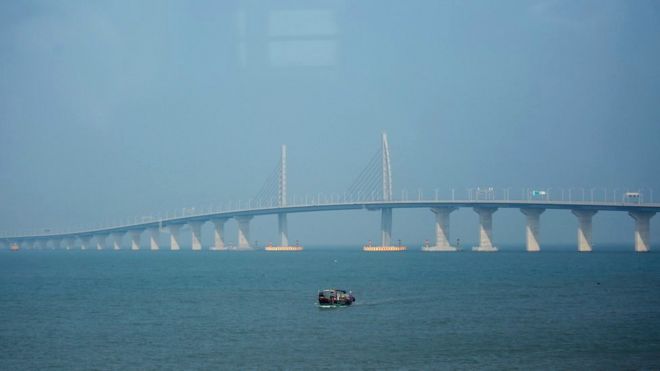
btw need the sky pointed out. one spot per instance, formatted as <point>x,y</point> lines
<point>123,109</point>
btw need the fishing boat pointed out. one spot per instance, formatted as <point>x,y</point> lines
<point>331,298</point>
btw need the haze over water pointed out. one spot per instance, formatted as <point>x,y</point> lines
<point>112,111</point>
<point>134,110</point>
<point>218,310</point>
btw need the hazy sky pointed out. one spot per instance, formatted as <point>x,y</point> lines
<point>110,110</point>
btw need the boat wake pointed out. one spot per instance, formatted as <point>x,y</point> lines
<point>392,300</point>
<point>381,301</point>
<point>330,306</point>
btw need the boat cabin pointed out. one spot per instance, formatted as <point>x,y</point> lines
<point>335,297</point>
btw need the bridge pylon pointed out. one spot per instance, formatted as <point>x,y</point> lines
<point>387,170</point>
<point>386,196</point>
<point>282,221</point>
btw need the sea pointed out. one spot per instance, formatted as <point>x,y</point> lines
<point>221,310</point>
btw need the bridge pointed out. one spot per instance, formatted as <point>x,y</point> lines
<point>372,190</point>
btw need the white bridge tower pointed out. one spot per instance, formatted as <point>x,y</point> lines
<point>282,222</point>
<point>281,201</point>
<point>385,212</point>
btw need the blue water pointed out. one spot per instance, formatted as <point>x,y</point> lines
<point>219,310</point>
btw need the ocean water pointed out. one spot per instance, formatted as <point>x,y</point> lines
<point>256,310</point>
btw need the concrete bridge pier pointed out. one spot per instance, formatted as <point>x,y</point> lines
<point>3,245</point>
<point>532,230</point>
<point>584,218</point>
<point>196,228</point>
<point>43,244</point>
<point>385,234</point>
<point>219,234</point>
<point>57,243</point>
<point>116,240</point>
<point>135,239</point>
<point>642,229</point>
<point>27,244</point>
<point>100,241</point>
<point>485,229</point>
<point>244,232</point>
<point>84,242</point>
<point>154,238</point>
<point>441,230</point>
<point>283,227</point>
<point>174,236</point>
<point>69,243</point>
<point>386,227</point>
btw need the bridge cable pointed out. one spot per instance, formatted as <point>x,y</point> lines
<point>367,184</point>
<point>270,189</point>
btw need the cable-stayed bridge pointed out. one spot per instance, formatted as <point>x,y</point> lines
<point>371,190</point>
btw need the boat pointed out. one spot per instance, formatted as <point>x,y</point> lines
<point>332,298</point>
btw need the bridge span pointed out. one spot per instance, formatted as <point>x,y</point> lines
<point>372,190</point>
<point>442,209</point>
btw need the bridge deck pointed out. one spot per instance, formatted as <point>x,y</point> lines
<point>368,205</point>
